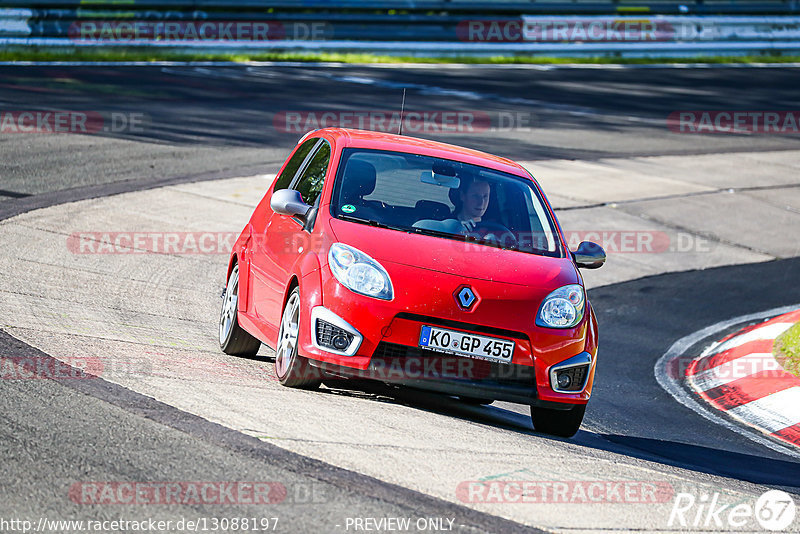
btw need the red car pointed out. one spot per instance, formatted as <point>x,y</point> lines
<point>415,263</point>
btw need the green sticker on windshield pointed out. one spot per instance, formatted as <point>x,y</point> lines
<point>348,208</point>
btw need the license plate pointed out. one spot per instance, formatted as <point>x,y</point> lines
<point>464,344</point>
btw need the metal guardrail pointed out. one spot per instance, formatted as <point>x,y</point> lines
<point>406,34</point>
<point>14,22</point>
<point>439,49</point>
<point>699,7</point>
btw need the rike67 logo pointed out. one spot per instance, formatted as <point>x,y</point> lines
<point>774,511</point>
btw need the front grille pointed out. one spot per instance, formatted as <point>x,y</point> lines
<point>326,333</point>
<point>402,361</point>
<point>449,323</point>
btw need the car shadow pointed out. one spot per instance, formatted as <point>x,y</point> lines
<point>746,467</point>
<point>697,458</point>
<point>719,462</point>
<point>428,401</point>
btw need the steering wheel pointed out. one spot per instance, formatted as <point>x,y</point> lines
<point>495,232</point>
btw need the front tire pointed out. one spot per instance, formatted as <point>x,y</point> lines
<point>562,423</point>
<point>233,339</point>
<point>293,370</point>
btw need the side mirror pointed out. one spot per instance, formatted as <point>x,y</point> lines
<point>289,202</point>
<point>589,255</point>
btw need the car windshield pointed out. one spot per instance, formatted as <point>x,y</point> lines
<point>444,198</point>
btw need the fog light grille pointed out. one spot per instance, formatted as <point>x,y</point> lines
<point>332,336</point>
<point>572,378</point>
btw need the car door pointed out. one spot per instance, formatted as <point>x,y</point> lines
<point>283,236</point>
<point>261,288</point>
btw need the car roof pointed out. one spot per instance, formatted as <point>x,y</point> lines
<point>402,143</point>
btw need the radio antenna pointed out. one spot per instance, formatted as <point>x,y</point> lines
<point>402,112</point>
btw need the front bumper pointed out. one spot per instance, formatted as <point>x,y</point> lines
<point>452,375</point>
<point>388,351</point>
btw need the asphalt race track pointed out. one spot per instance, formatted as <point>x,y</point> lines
<point>369,451</point>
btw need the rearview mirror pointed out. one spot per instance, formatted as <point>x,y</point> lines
<point>443,180</point>
<point>289,202</point>
<point>589,255</point>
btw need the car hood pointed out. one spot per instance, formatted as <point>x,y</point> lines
<point>469,260</point>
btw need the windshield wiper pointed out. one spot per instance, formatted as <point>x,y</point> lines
<point>427,231</point>
<point>491,242</point>
<point>463,237</point>
<point>372,222</point>
<point>435,233</point>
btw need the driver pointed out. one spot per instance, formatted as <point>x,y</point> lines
<point>474,201</point>
<point>471,201</point>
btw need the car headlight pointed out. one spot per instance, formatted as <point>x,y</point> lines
<point>563,308</point>
<point>359,273</point>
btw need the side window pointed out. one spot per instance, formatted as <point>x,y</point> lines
<point>310,183</point>
<point>299,156</point>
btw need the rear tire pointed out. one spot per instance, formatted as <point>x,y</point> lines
<point>293,370</point>
<point>562,423</point>
<point>233,339</point>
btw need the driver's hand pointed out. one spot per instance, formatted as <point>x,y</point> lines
<point>469,225</point>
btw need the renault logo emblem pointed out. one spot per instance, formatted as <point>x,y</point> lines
<point>465,297</point>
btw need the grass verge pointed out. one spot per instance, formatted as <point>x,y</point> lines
<point>787,350</point>
<point>115,54</point>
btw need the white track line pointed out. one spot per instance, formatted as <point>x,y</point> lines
<point>765,332</point>
<point>672,385</point>
<point>770,412</point>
